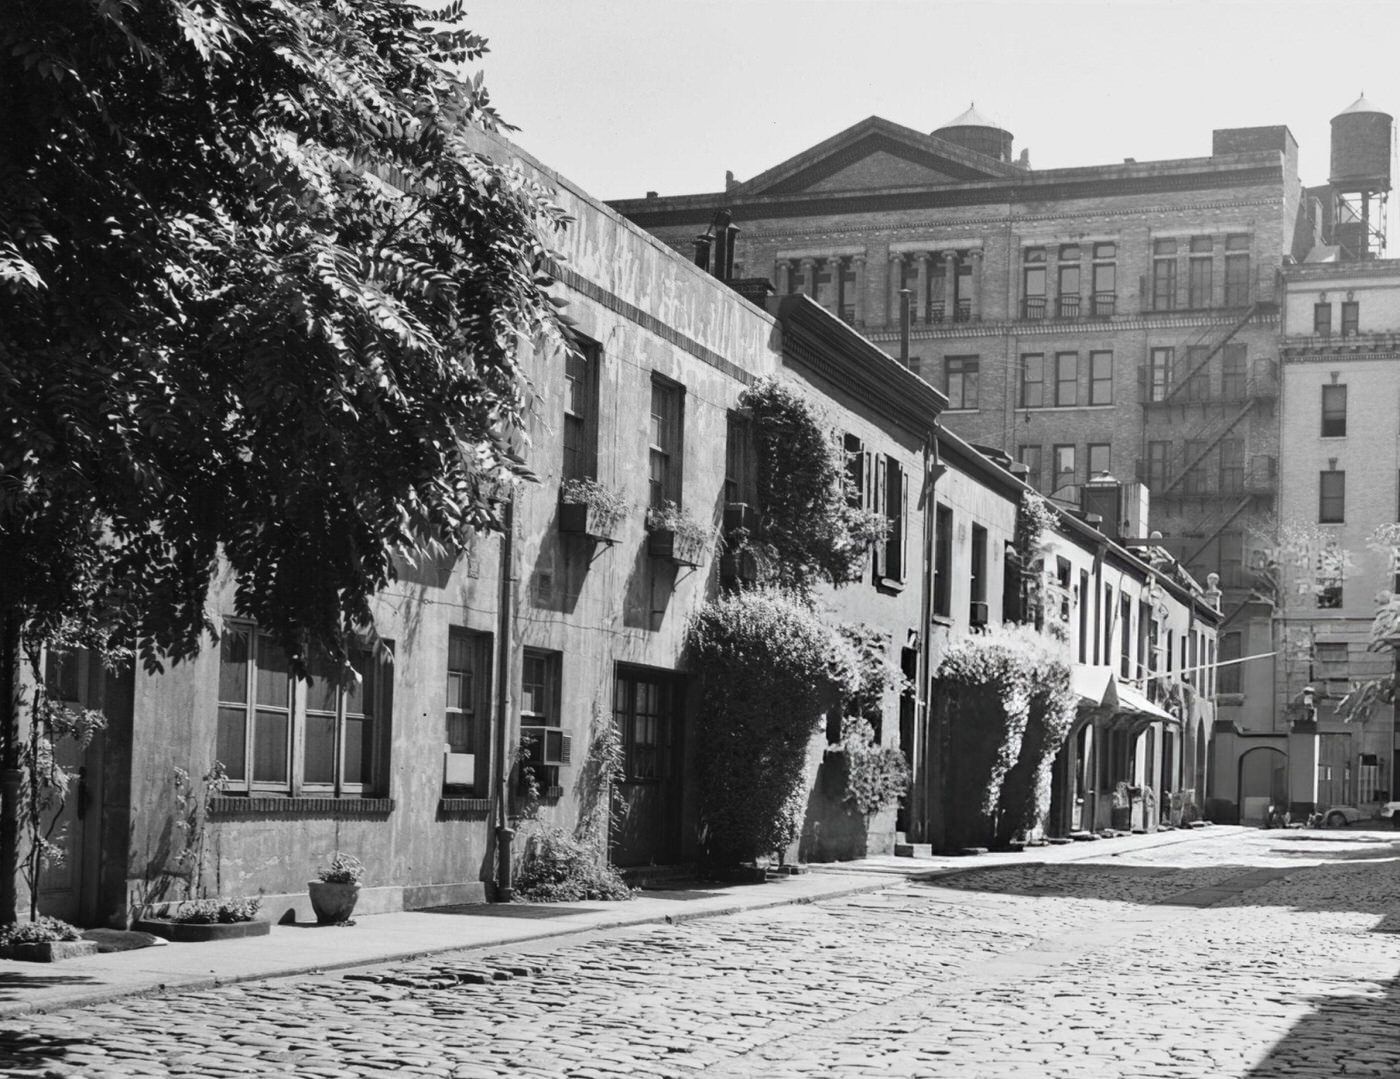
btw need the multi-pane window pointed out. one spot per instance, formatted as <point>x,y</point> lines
<point>1067,298</point>
<point>1331,497</point>
<point>1334,411</point>
<point>1034,281</point>
<point>643,710</point>
<point>1158,455</point>
<point>1232,375</point>
<point>1231,466</point>
<point>468,710</point>
<point>1198,379</point>
<point>1322,319</point>
<point>1164,275</point>
<point>961,381</point>
<point>1351,318</point>
<point>1159,378</point>
<point>1237,270</point>
<point>278,734</point>
<point>1065,472</point>
<point>856,483</point>
<point>1105,278</point>
<point>979,564</point>
<point>1195,481</point>
<point>664,450</point>
<point>1199,275</point>
<point>891,500</point>
<point>1066,378</point>
<point>1232,558</point>
<point>1100,457</point>
<point>547,747</point>
<point>1125,637</point>
<point>1100,378</point>
<point>943,560</point>
<point>1030,456</point>
<point>1231,648</point>
<point>847,310</point>
<point>581,410</point>
<point>1033,380</point>
<point>740,474</point>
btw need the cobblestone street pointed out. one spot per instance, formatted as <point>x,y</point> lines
<point>1261,954</point>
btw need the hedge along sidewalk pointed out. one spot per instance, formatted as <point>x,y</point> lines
<point>405,935</point>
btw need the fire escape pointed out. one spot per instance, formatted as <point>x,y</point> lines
<point>1226,493</point>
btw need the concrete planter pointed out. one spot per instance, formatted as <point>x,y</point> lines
<point>333,901</point>
<point>196,932</point>
<point>50,951</point>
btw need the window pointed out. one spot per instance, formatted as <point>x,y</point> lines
<point>644,713</point>
<point>1106,613</point>
<point>1033,380</point>
<point>1083,599</point>
<point>1322,319</point>
<point>1351,318</point>
<point>1033,280</point>
<point>943,560</point>
<point>1164,275</point>
<point>468,710</point>
<point>1100,378</point>
<point>1158,454</point>
<point>1105,278</point>
<point>276,733</point>
<point>1198,376</point>
<point>740,476</point>
<point>961,381</point>
<point>1332,497</point>
<point>666,440</point>
<point>548,747</point>
<point>1237,270</point>
<point>581,410</point>
<point>1064,467</point>
<point>1232,375</point>
<point>1331,569</point>
<point>1334,411</point>
<point>979,574</point>
<point>1125,635</point>
<point>891,498</point>
<point>937,286</point>
<point>1067,297</point>
<point>1231,466</point>
<point>1030,456</point>
<point>847,293</point>
<point>1232,559</point>
<point>829,285</point>
<point>1159,378</point>
<point>1066,378</point>
<point>1195,481</point>
<point>1199,272</point>
<point>1099,458</point>
<point>1230,676</point>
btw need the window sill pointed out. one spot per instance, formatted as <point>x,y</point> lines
<point>464,807</point>
<point>1064,408</point>
<point>278,806</point>
<point>941,619</point>
<point>890,584</point>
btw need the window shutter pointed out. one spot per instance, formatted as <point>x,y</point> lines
<point>902,525</point>
<point>879,504</point>
<point>383,718</point>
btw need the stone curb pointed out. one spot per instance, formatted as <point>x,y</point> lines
<point>194,984</point>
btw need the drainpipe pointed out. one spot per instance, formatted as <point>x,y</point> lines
<point>920,791</point>
<point>505,889</point>
<point>904,297</point>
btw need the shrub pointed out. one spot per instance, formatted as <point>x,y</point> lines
<point>1005,706</point>
<point>559,868</point>
<point>876,775</point>
<point>42,930</point>
<point>222,911</point>
<point>341,869</point>
<point>767,668</point>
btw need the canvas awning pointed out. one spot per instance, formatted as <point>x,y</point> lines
<point>1094,686</point>
<point>1134,702</point>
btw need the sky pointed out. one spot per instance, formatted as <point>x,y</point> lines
<point>630,96</point>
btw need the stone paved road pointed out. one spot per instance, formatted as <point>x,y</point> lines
<point>1269,954</point>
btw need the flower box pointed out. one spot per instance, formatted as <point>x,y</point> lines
<point>673,535</point>
<point>50,951</point>
<point>194,932</point>
<point>590,509</point>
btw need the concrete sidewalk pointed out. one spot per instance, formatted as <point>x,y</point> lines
<point>384,938</point>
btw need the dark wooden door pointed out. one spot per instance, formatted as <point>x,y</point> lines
<point>646,827</point>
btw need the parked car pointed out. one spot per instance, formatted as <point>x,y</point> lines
<point>1340,816</point>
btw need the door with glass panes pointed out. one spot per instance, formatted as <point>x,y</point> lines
<point>646,825</point>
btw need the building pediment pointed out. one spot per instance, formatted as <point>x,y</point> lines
<point>876,154</point>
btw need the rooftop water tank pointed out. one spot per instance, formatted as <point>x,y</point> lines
<point>1361,148</point>
<point>973,131</point>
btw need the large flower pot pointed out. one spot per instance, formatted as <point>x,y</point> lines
<point>333,901</point>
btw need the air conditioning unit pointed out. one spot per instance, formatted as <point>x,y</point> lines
<point>979,613</point>
<point>458,769</point>
<point>547,745</point>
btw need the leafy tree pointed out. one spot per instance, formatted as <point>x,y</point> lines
<point>259,298</point>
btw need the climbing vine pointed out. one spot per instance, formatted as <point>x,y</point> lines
<point>807,532</point>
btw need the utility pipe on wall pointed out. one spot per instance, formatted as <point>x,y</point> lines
<point>505,887</point>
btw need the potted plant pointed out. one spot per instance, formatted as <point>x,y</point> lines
<point>589,508</point>
<point>1122,807</point>
<point>44,940</point>
<point>208,919</point>
<point>673,534</point>
<point>337,889</point>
